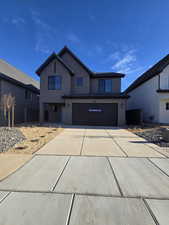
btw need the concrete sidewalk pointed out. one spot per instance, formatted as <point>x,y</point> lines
<point>87,190</point>
<point>108,176</point>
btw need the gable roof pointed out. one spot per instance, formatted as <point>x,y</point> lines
<point>91,73</point>
<point>20,84</point>
<point>152,72</point>
<point>13,73</point>
<point>49,59</point>
<point>66,49</point>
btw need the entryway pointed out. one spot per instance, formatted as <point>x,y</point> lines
<point>52,112</point>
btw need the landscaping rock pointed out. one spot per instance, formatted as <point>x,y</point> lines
<point>9,137</point>
<point>154,136</point>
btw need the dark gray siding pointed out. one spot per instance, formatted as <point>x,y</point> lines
<point>24,109</point>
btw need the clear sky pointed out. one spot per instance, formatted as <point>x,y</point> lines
<point>125,36</point>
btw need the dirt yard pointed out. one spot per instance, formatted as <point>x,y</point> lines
<point>36,136</point>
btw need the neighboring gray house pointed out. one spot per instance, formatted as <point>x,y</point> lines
<point>150,93</point>
<point>26,92</point>
<point>71,93</point>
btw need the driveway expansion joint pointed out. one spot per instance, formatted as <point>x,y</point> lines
<point>154,164</point>
<point>118,185</point>
<point>113,139</point>
<point>61,174</point>
<point>150,211</point>
<point>70,210</point>
<point>103,156</point>
<point>85,194</point>
<point>84,136</point>
<point>155,149</point>
<point>5,197</point>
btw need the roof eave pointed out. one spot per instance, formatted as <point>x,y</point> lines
<point>48,60</point>
<point>107,75</point>
<point>130,88</point>
<point>18,83</point>
<point>152,72</point>
<point>95,97</point>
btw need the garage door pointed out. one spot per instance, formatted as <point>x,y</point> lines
<point>102,114</point>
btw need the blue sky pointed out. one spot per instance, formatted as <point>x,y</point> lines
<point>125,36</point>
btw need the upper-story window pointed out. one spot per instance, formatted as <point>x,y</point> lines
<point>79,81</point>
<point>28,95</point>
<point>105,86</point>
<point>54,67</point>
<point>167,106</point>
<point>54,82</point>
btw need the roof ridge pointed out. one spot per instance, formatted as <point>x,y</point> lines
<point>66,48</point>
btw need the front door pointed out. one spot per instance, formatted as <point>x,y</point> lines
<point>53,113</point>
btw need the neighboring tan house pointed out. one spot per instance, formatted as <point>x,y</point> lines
<point>150,93</point>
<point>24,89</point>
<point>71,93</point>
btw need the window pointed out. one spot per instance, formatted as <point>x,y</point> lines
<point>105,86</point>
<point>28,95</point>
<point>55,108</point>
<point>54,82</point>
<point>79,81</point>
<point>167,106</point>
<point>54,67</point>
<point>108,86</point>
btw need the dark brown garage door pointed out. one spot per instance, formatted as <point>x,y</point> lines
<point>102,114</point>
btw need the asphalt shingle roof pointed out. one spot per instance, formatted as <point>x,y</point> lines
<point>11,72</point>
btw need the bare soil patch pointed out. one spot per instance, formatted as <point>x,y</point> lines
<point>36,136</point>
<point>11,162</point>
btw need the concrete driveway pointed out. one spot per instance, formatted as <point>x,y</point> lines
<point>89,177</point>
<point>100,142</point>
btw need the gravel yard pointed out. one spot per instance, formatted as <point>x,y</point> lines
<point>26,138</point>
<point>153,135</point>
<point>9,137</point>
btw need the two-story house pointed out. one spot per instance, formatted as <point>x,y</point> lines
<point>72,94</point>
<point>25,90</point>
<point>150,93</point>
